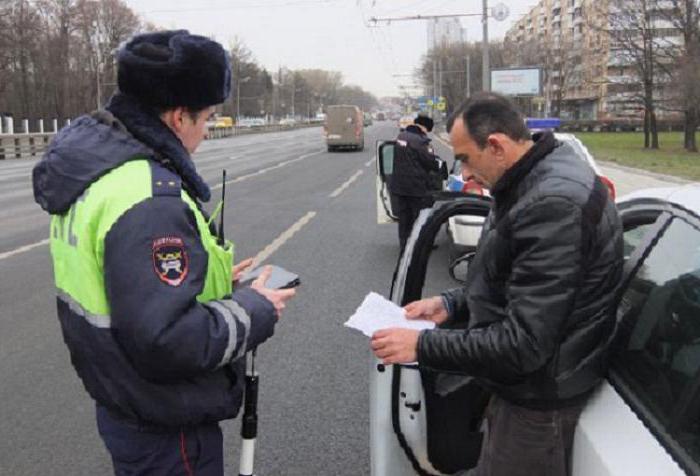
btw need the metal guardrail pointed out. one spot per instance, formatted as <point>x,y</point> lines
<point>219,132</point>
<point>28,146</point>
<point>23,146</point>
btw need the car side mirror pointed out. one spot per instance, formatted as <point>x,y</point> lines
<point>460,266</point>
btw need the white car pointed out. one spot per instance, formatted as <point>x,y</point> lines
<point>251,122</point>
<point>643,420</point>
<point>465,230</point>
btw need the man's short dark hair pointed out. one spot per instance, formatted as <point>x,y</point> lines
<point>487,113</point>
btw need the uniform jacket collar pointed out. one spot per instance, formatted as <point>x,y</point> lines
<point>147,127</point>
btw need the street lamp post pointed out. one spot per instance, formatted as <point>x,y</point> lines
<point>238,96</point>
<point>486,67</point>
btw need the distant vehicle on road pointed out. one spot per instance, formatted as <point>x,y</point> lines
<point>287,121</point>
<point>251,122</point>
<point>219,122</point>
<point>367,119</point>
<point>381,116</point>
<point>224,121</point>
<point>405,121</point>
<point>344,127</point>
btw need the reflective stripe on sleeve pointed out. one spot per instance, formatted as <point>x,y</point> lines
<point>96,320</point>
<point>233,314</point>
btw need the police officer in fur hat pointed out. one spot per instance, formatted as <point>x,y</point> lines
<point>416,174</point>
<point>154,326</point>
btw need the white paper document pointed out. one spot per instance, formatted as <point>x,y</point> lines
<point>377,312</point>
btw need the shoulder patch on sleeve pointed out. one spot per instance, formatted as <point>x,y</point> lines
<point>170,261</point>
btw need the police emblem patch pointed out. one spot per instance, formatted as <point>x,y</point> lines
<point>170,260</point>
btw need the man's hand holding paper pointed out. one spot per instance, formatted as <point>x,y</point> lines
<point>394,330</point>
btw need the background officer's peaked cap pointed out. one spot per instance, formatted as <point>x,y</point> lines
<point>169,69</point>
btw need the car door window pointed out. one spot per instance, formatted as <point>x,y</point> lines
<point>633,237</point>
<point>387,159</point>
<point>660,362</point>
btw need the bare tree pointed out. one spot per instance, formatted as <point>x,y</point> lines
<point>5,44</point>
<point>24,29</point>
<point>324,86</point>
<point>58,16</point>
<point>443,70</point>
<point>683,18</point>
<point>636,42</point>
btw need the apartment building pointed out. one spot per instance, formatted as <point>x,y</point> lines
<point>586,73</point>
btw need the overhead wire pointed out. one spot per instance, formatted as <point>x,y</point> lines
<point>246,6</point>
<point>379,46</point>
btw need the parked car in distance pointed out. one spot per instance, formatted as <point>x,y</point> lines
<point>641,420</point>
<point>405,121</point>
<point>344,128</point>
<point>367,119</point>
<point>287,121</point>
<point>219,122</point>
<point>251,122</point>
<point>223,121</point>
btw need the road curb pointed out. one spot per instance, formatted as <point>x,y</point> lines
<point>647,173</point>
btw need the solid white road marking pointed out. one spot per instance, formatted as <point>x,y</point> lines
<point>369,162</point>
<point>340,189</point>
<point>282,238</point>
<point>267,169</point>
<point>22,249</point>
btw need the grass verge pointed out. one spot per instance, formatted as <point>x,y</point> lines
<point>627,148</point>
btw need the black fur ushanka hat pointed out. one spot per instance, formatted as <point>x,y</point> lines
<point>170,69</point>
<point>424,121</point>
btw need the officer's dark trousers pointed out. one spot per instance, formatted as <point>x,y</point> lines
<point>135,450</point>
<point>408,210</point>
<point>524,442</point>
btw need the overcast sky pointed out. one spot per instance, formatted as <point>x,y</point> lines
<point>326,34</point>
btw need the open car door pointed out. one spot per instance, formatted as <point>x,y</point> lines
<point>423,422</point>
<point>386,204</point>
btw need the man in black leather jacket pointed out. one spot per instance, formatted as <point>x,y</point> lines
<point>540,295</point>
<point>412,179</point>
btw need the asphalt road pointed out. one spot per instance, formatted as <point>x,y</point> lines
<point>297,205</point>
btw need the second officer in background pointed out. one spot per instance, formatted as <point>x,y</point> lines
<point>413,177</point>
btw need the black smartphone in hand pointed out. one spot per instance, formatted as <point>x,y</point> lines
<point>279,278</point>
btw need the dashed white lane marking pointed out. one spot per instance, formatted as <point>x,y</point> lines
<point>340,189</point>
<point>300,223</point>
<point>268,169</point>
<point>282,238</point>
<point>22,249</point>
<point>369,162</point>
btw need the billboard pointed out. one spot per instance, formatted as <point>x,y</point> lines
<point>517,81</point>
